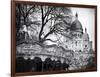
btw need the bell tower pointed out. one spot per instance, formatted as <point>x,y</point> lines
<point>85,30</point>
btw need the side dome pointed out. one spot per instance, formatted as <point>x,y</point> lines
<point>85,36</point>
<point>76,25</point>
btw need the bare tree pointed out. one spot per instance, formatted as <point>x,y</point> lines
<point>22,14</point>
<point>57,16</point>
<point>56,19</point>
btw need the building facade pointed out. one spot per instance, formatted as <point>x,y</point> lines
<point>79,40</point>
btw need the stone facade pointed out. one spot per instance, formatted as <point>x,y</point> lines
<point>79,40</point>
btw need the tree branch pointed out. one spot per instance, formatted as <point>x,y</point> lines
<point>48,12</point>
<point>51,40</point>
<point>30,10</point>
<point>48,20</point>
<point>48,34</point>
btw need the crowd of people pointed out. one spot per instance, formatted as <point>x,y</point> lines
<point>37,65</point>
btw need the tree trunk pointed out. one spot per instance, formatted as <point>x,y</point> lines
<point>40,39</point>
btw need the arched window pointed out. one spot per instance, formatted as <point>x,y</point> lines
<point>76,43</point>
<point>79,50</point>
<point>66,46</point>
<point>85,45</point>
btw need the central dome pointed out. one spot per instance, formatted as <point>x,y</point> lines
<point>76,25</point>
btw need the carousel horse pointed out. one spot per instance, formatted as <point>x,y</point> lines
<point>28,31</point>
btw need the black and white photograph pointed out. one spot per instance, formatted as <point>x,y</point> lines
<point>54,38</point>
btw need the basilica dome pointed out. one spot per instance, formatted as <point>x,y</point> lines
<point>76,25</point>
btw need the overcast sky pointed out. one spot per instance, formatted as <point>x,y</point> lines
<point>87,18</point>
